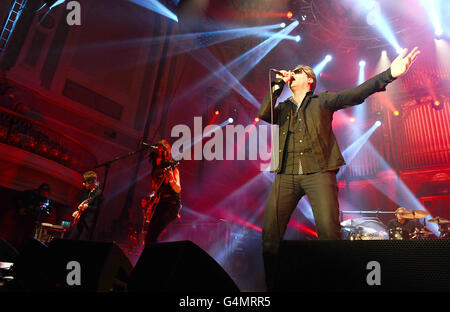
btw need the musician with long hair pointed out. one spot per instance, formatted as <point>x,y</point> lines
<point>86,214</point>
<point>163,204</point>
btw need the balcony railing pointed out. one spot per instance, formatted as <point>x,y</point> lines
<point>25,133</point>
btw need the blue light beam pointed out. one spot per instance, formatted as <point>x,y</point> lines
<point>431,6</point>
<point>319,67</point>
<point>157,7</point>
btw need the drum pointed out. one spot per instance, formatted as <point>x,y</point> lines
<point>361,233</point>
<point>422,234</point>
<point>378,235</point>
<point>398,233</point>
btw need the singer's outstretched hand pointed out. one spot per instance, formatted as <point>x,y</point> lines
<point>401,63</point>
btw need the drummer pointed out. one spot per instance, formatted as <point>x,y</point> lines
<point>403,224</point>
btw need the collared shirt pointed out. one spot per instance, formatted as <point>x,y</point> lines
<point>298,156</point>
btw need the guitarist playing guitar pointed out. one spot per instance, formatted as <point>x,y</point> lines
<point>84,217</point>
<point>163,204</point>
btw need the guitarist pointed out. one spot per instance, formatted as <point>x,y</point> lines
<point>84,216</point>
<point>164,204</point>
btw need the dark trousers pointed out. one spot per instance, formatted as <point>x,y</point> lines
<point>164,214</point>
<point>287,190</point>
<point>82,230</point>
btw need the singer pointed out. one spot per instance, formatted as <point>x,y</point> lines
<point>309,156</point>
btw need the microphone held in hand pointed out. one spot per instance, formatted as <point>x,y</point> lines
<point>280,72</point>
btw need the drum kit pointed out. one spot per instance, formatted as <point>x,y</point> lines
<point>444,226</point>
<point>371,228</point>
<point>365,228</point>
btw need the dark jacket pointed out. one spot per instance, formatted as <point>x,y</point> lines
<point>318,116</point>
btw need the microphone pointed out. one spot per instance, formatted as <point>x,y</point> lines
<point>276,71</point>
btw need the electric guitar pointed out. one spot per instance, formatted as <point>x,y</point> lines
<point>153,200</point>
<point>82,207</point>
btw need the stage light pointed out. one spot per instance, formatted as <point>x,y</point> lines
<point>319,67</point>
<point>383,53</point>
<point>376,19</point>
<point>230,120</point>
<point>269,34</point>
<point>216,112</point>
<point>352,119</point>
<point>433,10</point>
<point>256,119</point>
<point>359,111</point>
<point>436,104</point>
<point>51,4</point>
<point>289,14</point>
<point>396,113</point>
<point>377,123</point>
<point>282,25</point>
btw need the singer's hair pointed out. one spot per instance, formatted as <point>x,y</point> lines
<point>167,154</point>
<point>310,73</point>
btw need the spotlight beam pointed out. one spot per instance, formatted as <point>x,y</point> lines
<point>157,7</point>
<point>184,42</point>
<point>359,110</point>
<point>411,202</point>
<point>432,10</point>
<point>319,67</point>
<point>209,61</point>
<point>244,63</point>
<point>351,151</point>
<point>376,19</point>
<point>191,42</point>
<point>409,199</point>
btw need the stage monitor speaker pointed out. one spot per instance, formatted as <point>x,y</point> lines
<point>103,266</point>
<point>72,265</point>
<point>179,266</point>
<point>370,265</point>
<point>7,252</point>
<point>29,268</point>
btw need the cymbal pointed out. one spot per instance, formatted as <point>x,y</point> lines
<point>414,214</point>
<point>439,220</point>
